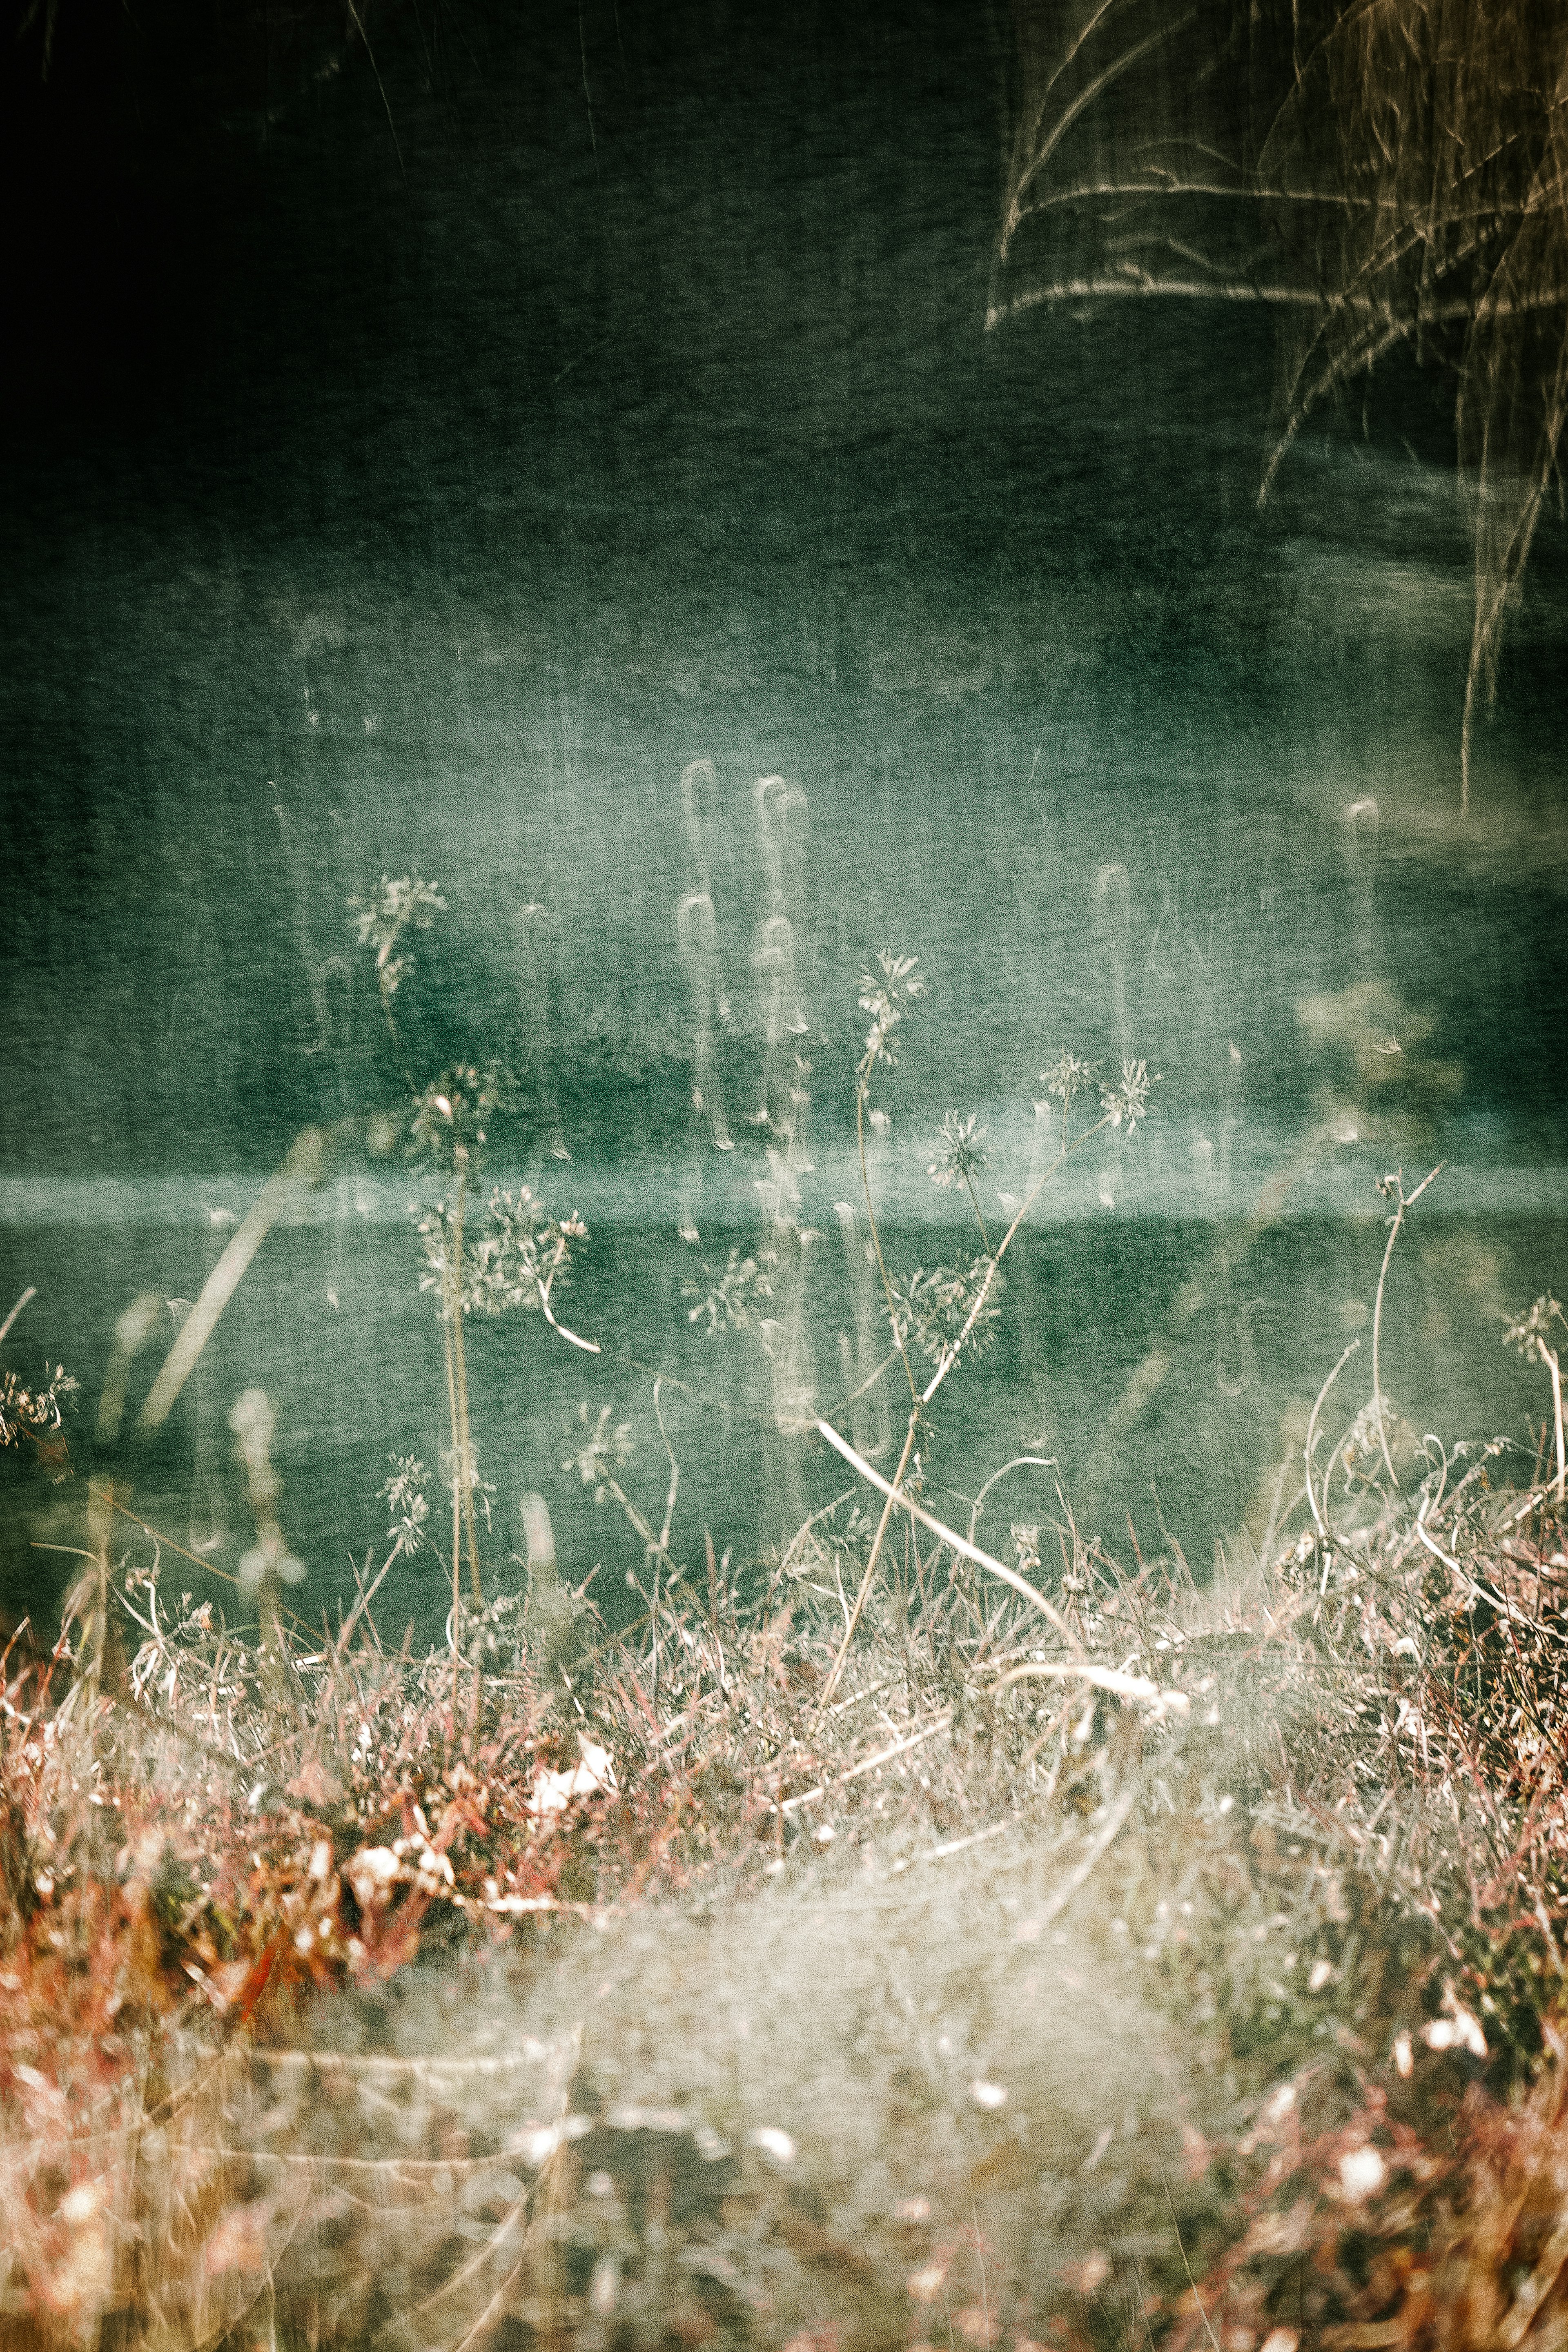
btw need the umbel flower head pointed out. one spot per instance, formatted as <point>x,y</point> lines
<point>452,1111</point>
<point>886,994</point>
<point>607,1445</point>
<point>962,1155</point>
<point>1066,1076</point>
<point>1125,1104</point>
<point>1527,1334</point>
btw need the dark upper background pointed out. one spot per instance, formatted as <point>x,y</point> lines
<point>446,446</point>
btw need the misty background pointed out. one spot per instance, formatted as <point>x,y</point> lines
<point>419,453</point>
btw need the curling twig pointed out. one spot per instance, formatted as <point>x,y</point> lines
<point>1392,1188</point>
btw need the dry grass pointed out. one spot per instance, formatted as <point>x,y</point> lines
<point>977,1999</point>
<point>1379,174</point>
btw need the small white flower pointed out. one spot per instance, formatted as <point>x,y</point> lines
<point>1460,2031</point>
<point>1361,2173</point>
<point>774,2142</point>
<point>594,1777</point>
<point>370,1873</point>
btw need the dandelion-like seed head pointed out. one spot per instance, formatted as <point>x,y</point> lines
<point>963,1156</point>
<point>1066,1076</point>
<point>1128,1102</point>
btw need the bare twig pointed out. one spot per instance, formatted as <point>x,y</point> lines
<point>301,1170</point>
<point>30,1292</point>
<point>1394,1187</point>
<point>1310,1448</point>
<point>950,1535</point>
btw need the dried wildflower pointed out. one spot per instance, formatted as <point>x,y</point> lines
<point>1066,1076</point>
<point>452,1110</point>
<point>887,998</point>
<point>1126,1104</point>
<point>33,1412</point>
<point>604,1449</point>
<point>732,1298</point>
<point>930,1310</point>
<point>404,1495</point>
<point>1528,1335</point>
<point>382,919</point>
<point>518,1254</point>
<point>512,1255</point>
<point>963,1155</point>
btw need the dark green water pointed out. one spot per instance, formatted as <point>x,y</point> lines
<point>430,507</point>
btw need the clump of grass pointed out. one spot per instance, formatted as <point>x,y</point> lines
<point>1379,175</point>
<point>1290,1948</point>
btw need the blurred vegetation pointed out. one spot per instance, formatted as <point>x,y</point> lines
<point>915,1939</point>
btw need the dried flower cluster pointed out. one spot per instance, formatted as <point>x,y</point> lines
<point>382,917</point>
<point>33,1412</point>
<point>887,995</point>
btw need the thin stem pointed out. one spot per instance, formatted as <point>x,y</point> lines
<point>589,1346</point>
<point>922,1399</point>
<point>451,1348</point>
<point>876,1242</point>
<point>301,1166</point>
<point>1397,1181</point>
<point>674,1468</point>
<point>804,1530</point>
<point>656,1549</point>
<point>952,1355</point>
<point>1311,1446</point>
<point>457,1504</point>
<point>385,995</point>
<point>30,1292</point>
<point>969,1187</point>
<point>367,1595</point>
<point>950,1535</point>
<point>460,1438</point>
<point>831,1684</point>
<point>1019,1461</point>
<point>1554,1369</point>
